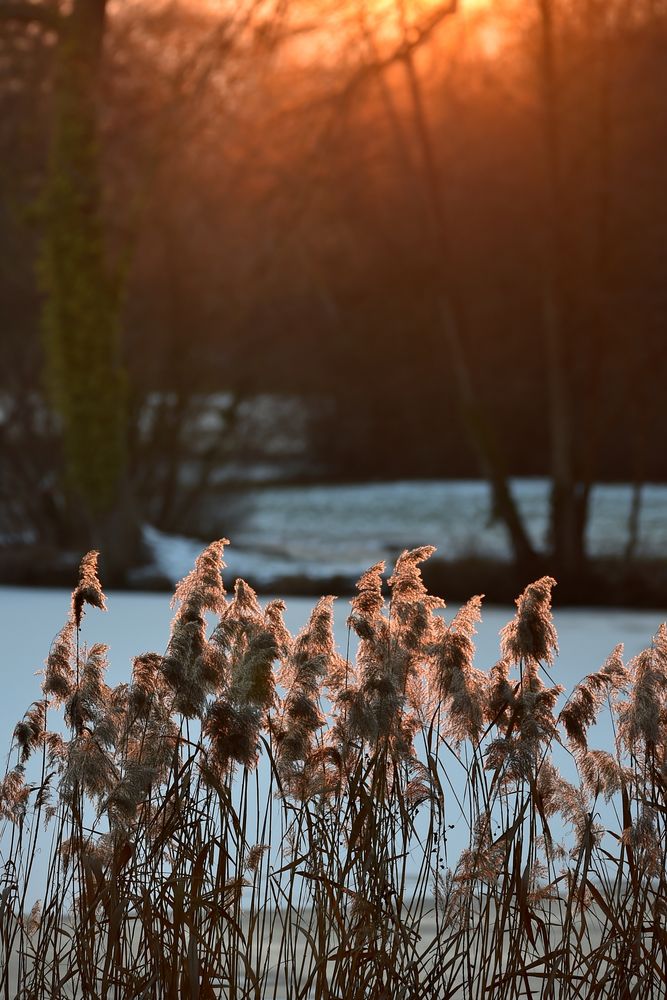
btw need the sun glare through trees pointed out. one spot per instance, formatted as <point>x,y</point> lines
<point>454,207</point>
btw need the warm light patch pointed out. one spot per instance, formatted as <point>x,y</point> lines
<point>328,32</point>
<point>372,7</point>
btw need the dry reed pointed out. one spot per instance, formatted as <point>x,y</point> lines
<point>255,815</point>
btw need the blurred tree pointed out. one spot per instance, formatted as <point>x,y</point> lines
<point>445,231</point>
<point>81,293</point>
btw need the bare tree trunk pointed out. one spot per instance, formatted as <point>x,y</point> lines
<point>563,499</point>
<point>451,322</point>
<point>599,294</point>
<point>565,522</point>
<point>81,307</point>
<point>485,446</point>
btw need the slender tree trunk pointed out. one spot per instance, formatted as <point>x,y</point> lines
<point>451,322</point>
<point>563,498</point>
<point>565,522</point>
<point>598,295</point>
<point>81,312</point>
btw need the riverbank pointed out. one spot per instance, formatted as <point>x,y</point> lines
<point>309,539</point>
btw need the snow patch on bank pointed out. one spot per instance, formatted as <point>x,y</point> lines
<point>317,532</point>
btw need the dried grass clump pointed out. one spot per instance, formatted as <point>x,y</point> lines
<point>256,815</point>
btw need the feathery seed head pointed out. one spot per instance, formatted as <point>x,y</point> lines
<point>14,795</point>
<point>233,732</point>
<point>147,683</point>
<point>368,602</point>
<point>601,773</point>
<point>89,767</point>
<point>406,580</point>
<point>202,589</point>
<point>254,857</point>
<point>88,589</point>
<point>59,673</point>
<point>274,617</point>
<point>642,717</point>
<point>29,733</point>
<point>501,695</point>
<point>34,920</point>
<point>531,635</point>
<point>583,706</point>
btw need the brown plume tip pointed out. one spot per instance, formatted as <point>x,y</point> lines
<point>89,588</point>
<point>532,635</point>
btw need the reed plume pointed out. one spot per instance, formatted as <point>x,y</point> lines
<point>59,674</point>
<point>454,683</point>
<point>302,675</point>
<point>192,665</point>
<point>248,642</point>
<point>583,706</point>
<point>643,716</point>
<point>29,733</point>
<point>531,635</point>
<point>181,868</point>
<point>88,589</point>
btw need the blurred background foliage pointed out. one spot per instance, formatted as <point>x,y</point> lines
<point>441,229</point>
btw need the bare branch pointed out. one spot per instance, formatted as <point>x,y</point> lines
<point>420,34</point>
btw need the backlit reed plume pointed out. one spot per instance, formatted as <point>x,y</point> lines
<point>14,794</point>
<point>148,683</point>
<point>88,698</point>
<point>482,862</point>
<point>387,697</point>
<point>90,768</point>
<point>602,773</point>
<point>524,711</point>
<point>557,796</point>
<point>583,706</point>
<point>643,716</point>
<point>248,642</point>
<point>455,685</point>
<point>59,675</point>
<point>192,666</point>
<point>29,733</point>
<point>88,589</point>
<point>351,684</point>
<point>301,676</point>
<point>531,635</point>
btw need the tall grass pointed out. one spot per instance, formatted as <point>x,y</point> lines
<point>256,815</point>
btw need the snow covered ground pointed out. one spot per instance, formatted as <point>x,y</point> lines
<point>322,531</point>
